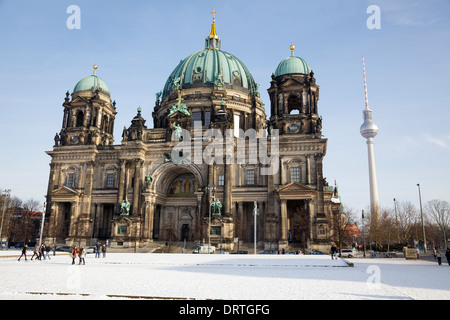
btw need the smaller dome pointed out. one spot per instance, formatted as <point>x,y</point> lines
<point>292,64</point>
<point>92,83</point>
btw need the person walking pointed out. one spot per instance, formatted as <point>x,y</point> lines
<point>47,252</point>
<point>35,253</point>
<point>439,257</point>
<point>104,251</point>
<point>74,254</point>
<point>98,247</point>
<point>82,255</point>
<point>24,252</point>
<point>447,255</point>
<point>42,252</point>
<point>333,252</point>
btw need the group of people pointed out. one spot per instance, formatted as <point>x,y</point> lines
<point>99,247</point>
<point>39,252</point>
<point>438,255</point>
<point>81,253</point>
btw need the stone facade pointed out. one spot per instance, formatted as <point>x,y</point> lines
<point>90,177</point>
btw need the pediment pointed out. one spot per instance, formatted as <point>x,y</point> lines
<point>65,191</point>
<point>291,82</point>
<point>79,99</point>
<point>294,188</point>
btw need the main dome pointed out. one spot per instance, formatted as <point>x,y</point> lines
<point>211,67</point>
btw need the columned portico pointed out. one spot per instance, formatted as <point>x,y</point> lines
<point>297,214</point>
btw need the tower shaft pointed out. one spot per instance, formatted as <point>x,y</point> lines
<point>374,203</point>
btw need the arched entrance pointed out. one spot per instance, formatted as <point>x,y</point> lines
<point>177,202</point>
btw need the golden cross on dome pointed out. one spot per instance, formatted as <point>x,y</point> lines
<point>214,13</point>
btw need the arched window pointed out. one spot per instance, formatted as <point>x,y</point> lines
<point>80,118</point>
<point>293,104</point>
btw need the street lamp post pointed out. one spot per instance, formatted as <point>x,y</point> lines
<point>6,194</point>
<point>423,225</point>
<point>42,225</point>
<point>364,235</point>
<point>213,190</point>
<point>396,220</point>
<point>255,214</point>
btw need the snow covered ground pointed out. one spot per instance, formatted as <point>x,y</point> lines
<point>230,277</point>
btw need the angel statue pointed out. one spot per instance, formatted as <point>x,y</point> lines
<point>125,208</point>
<point>216,207</point>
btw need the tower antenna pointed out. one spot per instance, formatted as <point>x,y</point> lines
<point>365,83</point>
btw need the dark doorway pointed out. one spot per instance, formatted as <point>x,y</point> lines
<point>105,222</point>
<point>185,232</point>
<point>299,224</point>
<point>156,222</point>
<point>65,219</point>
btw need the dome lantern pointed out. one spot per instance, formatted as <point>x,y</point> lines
<point>213,40</point>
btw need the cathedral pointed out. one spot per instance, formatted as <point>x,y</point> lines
<point>214,168</point>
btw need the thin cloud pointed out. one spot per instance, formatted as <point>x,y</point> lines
<point>439,142</point>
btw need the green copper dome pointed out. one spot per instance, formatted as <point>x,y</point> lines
<point>292,64</point>
<point>92,83</point>
<point>211,67</point>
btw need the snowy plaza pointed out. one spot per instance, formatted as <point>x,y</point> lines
<point>153,276</point>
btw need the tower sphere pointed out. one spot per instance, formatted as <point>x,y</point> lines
<point>369,129</point>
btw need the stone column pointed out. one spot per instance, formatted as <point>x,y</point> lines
<point>310,212</point>
<point>121,182</point>
<point>73,231</point>
<point>308,170</point>
<point>137,186</point>
<point>241,218</point>
<point>227,189</point>
<point>319,172</point>
<point>149,215</point>
<point>284,231</point>
<point>66,115</point>
<point>260,221</point>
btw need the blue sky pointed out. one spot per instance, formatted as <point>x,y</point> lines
<point>137,44</point>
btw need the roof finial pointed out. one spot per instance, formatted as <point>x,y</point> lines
<point>213,26</point>
<point>292,47</point>
<point>213,40</point>
<point>95,67</point>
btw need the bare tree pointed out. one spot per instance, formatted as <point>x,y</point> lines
<point>387,230</point>
<point>407,215</point>
<point>438,211</point>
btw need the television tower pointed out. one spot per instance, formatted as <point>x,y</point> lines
<point>369,130</point>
